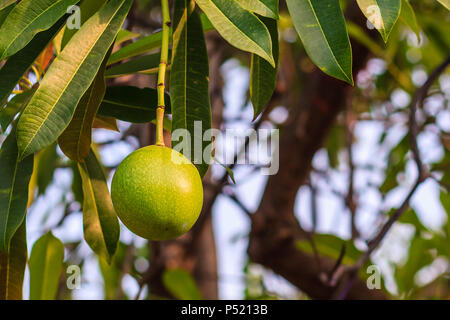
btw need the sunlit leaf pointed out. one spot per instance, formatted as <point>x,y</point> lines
<point>445,3</point>
<point>382,14</point>
<point>106,123</point>
<point>26,19</point>
<point>12,266</point>
<point>321,27</point>
<point>239,27</point>
<point>68,78</point>
<point>19,63</point>
<point>100,223</point>
<point>263,76</point>
<point>76,140</point>
<point>189,83</point>
<point>265,8</point>
<point>46,261</point>
<point>5,9</point>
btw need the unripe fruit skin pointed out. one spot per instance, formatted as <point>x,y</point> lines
<point>156,197</point>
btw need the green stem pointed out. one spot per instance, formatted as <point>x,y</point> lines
<point>162,72</point>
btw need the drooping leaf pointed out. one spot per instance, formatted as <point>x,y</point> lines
<point>100,223</point>
<point>12,266</point>
<point>14,179</point>
<point>189,81</point>
<point>27,19</point>
<point>106,123</point>
<point>265,8</point>
<point>144,64</point>
<point>181,284</point>
<point>112,273</point>
<point>46,261</point>
<point>76,140</point>
<point>46,164</point>
<point>87,9</point>
<point>19,63</point>
<point>445,3</point>
<point>148,43</point>
<point>69,76</point>
<point>14,106</point>
<point>131,104</point>
<point>263,76</point>
<point>239,27</point>
<point>408,16</point>
<point>321,27</point>
<point>382,14</point>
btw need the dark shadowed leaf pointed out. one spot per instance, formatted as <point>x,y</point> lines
<point>382,14</point>
<point>131,104</point>
<point>14,106</point>
<point>5,9</point>
<point>68,78</point>
<point>106,123</point>
<point>189,84</point>
<point>14,179</point>
<point>27,19</point>
<point>145,64</point>
<point>12,266</point>
<point>181,284</point>
<point>100,223</point>
<point>46,164</point>
<point>263,76</point>
<point>321,27</point>
<point>46,261</point>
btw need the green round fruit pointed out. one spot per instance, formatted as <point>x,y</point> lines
<point>157,193</point>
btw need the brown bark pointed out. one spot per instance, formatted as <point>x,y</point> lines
<point>313,110</point>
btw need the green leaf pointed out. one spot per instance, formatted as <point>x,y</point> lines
<point>382,14</point>
<point>5,10</point>
<point>189,84</point>
<point>68,78</point>
<point>19,63</point>
<point>148,43</point>
<point>100,223</point>
<point>6,3</point>
<point>14,106</point>
<point>75,141</point>
<point>263,76</point>
<point>410,217</point>
<point>14,179</point>
<point>106,123</point>
<point>331,246</point>
<point>408,16</point>
<point>125,35</point>
<point>87,10</point>
<point>265,8</point>
<point>46,164</point>
<point>46,262</point>
<point>145,64</point>
<point>27,19</point>
<point>321,27</point>
<point>131,104</point>
<point>112,273</point>
<point>181,285</point>
<point>445,3</point>
<point>12,266</point>
<point>239,27</point>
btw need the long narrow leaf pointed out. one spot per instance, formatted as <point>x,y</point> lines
<point>46,261</point>
<point>12,266</point>
<point>69,76</point>
<point>27,19</point>
<point>265,8</point>
<point>14,179</point>
<point>100,223</point>
<point>321,27</point>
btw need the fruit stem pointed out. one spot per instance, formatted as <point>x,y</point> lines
<point>162,72</point>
